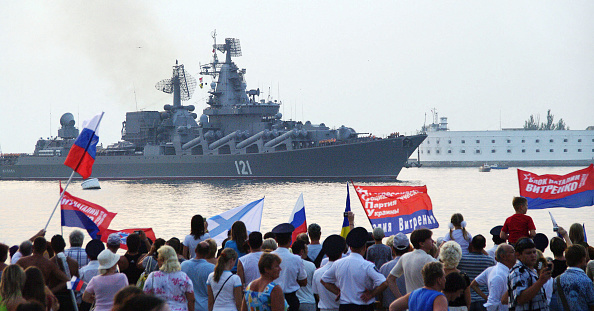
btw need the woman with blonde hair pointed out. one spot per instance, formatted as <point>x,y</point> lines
<point>224,288</point>
<point>458,232</point>
<point>450,255</point>
<point>103,287</point>
<point>11,287</point>
<point>170,283</point>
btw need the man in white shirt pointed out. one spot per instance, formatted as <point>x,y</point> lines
<point>307,302</point>
<point>292,275</point>
<point>353,278</point>
<point>333,247</point>
<point>247,266</point>
<point>411,264</point>
<point>496,278</point>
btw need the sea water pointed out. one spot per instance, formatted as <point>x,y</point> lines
<point>168,206</point>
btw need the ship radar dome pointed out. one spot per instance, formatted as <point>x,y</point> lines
<point>203,119</point>
<point>67,120</point>
<point>278,116</point>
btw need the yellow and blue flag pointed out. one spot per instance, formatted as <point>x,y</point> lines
<point>345,223</point>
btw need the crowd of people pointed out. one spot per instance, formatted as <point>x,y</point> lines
<point>274,271</point>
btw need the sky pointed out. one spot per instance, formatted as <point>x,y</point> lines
<point>376,66</point>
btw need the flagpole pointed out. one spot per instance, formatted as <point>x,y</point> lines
<point>59,200</point>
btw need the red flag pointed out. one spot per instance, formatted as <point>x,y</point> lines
<point>125,233</point>
<point>77,212</point>
<point>575,189</point>
<point>397,208</point>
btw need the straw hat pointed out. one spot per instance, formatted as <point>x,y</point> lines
<point>107,259</point>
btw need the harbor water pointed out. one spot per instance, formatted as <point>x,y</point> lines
<point>167,206</point>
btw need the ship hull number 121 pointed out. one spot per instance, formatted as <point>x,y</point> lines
<point>243,167</point>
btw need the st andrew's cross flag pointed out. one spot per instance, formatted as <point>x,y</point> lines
<point>79,213</point>
<point>575,189</point>
<point>397,208</point>
<point>250,214</point>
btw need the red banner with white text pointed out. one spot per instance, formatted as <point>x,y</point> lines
<point>397,208</point>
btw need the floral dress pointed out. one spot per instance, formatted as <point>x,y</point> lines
<point>172,287</point>
<point>260,301</point>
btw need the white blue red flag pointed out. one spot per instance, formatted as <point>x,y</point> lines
<point>79,213</point>
<point>123,234</point>
<point>250,214</point>
<point>297,218</point>
<point>397,208</point>
<point>575,189</point>
<point>75,284</point>
<point>82,154</point>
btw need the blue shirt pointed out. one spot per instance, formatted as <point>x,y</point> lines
<point>577,287</point>
<point>421,299</point>
<point>233,245</point>
<point>198,271</point>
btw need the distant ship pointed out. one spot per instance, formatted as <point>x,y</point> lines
<point>237,136</point>
<point>504,148</point>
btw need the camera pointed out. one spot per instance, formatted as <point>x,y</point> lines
<point>550,266</point>
<point>138,231</point>
<point>346,214</point>
<point>555,229</point>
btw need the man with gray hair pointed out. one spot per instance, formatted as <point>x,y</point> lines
<point>76,251</point>
<point>25,249</point>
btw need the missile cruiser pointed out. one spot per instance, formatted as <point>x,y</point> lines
<point>237,136</point>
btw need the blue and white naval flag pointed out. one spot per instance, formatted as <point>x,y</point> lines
<point>250,214</point>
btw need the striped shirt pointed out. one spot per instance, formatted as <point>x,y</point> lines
<point>474,264</point>
<point>78,254</point>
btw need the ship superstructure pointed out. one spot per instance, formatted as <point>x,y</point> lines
<point>237,136</point>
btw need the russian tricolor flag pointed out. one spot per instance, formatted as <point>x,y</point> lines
<point>75,284</point>
<point>82,154</point>
<point>297,218</point>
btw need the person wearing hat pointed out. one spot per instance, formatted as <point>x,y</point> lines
<point>292,275</point>
<point>410,264</point>
<point>113,244</point>
<point>353,278</point>
<point>400,246</point>
<point>497,240</point>
<point>103,287</point>
<point>333,247</point>
<point>378,253</point>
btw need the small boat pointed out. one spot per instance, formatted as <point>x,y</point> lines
<point>90,183</point>
<point>485,168</point>
<point>498,167</point>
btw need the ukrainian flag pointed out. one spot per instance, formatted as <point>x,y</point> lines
<point>345,223</point>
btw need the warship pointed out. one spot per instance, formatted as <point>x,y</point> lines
<point>238,136</point>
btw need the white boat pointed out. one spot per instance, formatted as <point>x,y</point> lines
<point>90,183</point>
<point>484,168</point>
<point>506,147</point>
